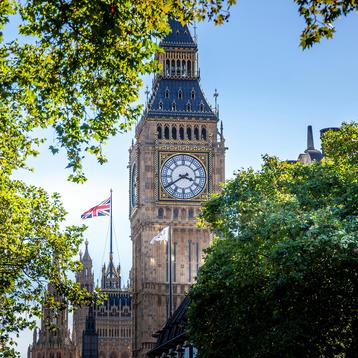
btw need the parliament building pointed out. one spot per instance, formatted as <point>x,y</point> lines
<point>176,161</point>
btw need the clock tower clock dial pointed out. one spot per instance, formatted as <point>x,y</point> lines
<point>183,176</point>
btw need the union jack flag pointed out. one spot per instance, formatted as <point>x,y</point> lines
<point>102,209</point>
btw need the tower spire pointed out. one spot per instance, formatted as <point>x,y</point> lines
<point>111,277</point>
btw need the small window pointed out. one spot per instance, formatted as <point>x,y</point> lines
<point>176,213</point>
<point>192,94</point>
<point>159,131</point>
<point>178,68</point>
<point>167,67</point>
<point>189,68</point>
<point>183,68</point>
<point>201,107</point>
<point>166,132</point>
<point>188,107</point>
<point>174,106</point>
<point>174,132</point>
<point>180,94</point>
<point>160,213</point>
<point>203,133</point>
<point>191,213</point>
<point>181,133</point>
<point>196,133</point>
<point>188,133</point>
<point>167,93</point>
<point>160,105</point>
<point>177,32</point>
<point>172,70</point>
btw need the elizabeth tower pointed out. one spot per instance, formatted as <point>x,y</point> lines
<point>176,162</point>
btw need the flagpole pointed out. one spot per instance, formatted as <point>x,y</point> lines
<point>110,237</point>
<point>170,273</point>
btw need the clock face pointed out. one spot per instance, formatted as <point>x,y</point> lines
<point>134,186</point>
<point>183,176</point>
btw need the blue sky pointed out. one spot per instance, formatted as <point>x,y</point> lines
<point>269,91</point>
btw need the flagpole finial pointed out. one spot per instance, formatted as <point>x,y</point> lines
<point>111,190</point>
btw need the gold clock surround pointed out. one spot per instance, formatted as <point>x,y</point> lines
<point>202,157</point>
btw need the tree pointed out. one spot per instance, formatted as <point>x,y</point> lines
<point>283,280</point>
<point>34,252</point>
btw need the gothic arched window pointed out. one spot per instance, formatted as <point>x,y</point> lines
<point>174,106</point>
<point>159,131</point>
<point>167,67</point>
<point>188,133</point>
<point>167,93</point>
<point>201,107</point>
<point>166,132</point>
<point>180,94</point>
<point>191,213</point>
<point>160,105</point>
<point>192,94</point>
<point>183,68</point>
<point>176,213</point>
<point>160,213</point>
<point>181,133</point>
<point>172,70</point>
<point>196,133</point>
<point>174,132</point>
<point>203,133</point>
<point>189,68</point>
<point>178,67</point>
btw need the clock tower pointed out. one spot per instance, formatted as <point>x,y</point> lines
<point>176,162</point>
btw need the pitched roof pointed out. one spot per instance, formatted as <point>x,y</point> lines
<point>179,98</point>
<point>179,36</point>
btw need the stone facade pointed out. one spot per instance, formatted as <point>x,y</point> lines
<point>113,318</point>
<point>176,162</point>
<point>53,339</point>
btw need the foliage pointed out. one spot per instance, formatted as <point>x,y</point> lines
<point>283,280</point>
<point>320,15</point>
<point>34,252</point>
<point>78,67</point>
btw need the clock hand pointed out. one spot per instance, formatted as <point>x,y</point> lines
<point>181,176</point>
<point>186,176</point>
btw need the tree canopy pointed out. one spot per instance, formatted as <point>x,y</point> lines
<point>282,281</point>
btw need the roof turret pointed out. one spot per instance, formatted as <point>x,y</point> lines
<point>86,258</point>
